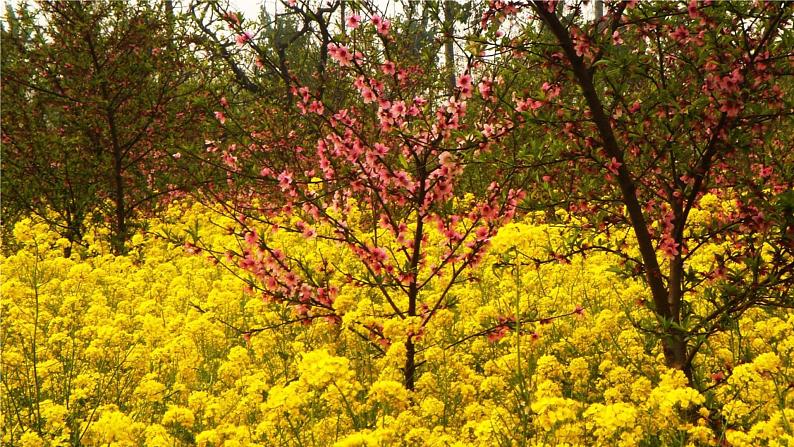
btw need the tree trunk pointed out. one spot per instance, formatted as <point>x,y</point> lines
<point>413,292</point>
<point>410,364</point>
<point>449,45</point>
<point>119,238</point>
<point>598,10</point>
<point>674,346</point>
<point>666,300</point>
<point>675,343</point>
<point>413,289</point>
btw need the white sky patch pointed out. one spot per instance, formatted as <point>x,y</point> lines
<point>251,8</point>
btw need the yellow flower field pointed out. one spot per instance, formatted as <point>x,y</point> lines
<point>164,347</point>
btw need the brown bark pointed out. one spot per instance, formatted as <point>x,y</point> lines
<point>674,342</point>
<point>449,45</point>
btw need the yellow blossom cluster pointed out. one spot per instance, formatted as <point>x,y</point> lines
<point>162,347</point>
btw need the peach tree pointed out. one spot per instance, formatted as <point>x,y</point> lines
<point>378,129</point>
<point>665,127</point>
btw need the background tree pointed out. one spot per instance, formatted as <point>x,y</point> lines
<point>96,95</point>
<point>45,172</point>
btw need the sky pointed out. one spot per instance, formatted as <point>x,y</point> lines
<point>251,7</point>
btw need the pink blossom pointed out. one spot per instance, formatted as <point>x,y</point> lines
<point>489,212</point>
<point>379,254</point>
<point>446,159</point>
<point>381,25</point>
<point>464,84</point>
<point>368,95</point>
<point>463,81</point>
<point>486,88</point>
<point>501,330</point>
<point>191,248</point>
<point>316,107</point>
<point>307,231</point>
<point>528,104</point>
<point>353,21</point>
<point>251,238</point>
<point>497,334</point>
<point>220,117</point>
<point>359,82</point>
<point>680,34</point>
<point>229,160</point>
<point>285,180</point>
<point>616,38</point>
<point>388,68</point>
<point>669,247</point>
<point>243,38</point>
<point>730,108</point>
<point>232,18</point>
<point>381,149</point>
<point>764,171</point>
<point>398,109</point>
<point>552,91</point>
<point>582,46</point>
<point>340,53</point>
<point>613,165</point>
<point>443,190</point>
<point>692,8</point>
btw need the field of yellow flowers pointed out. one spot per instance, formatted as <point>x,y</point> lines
<point>168,347</point>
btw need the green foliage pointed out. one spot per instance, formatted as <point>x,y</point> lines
<point>96,100</point>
